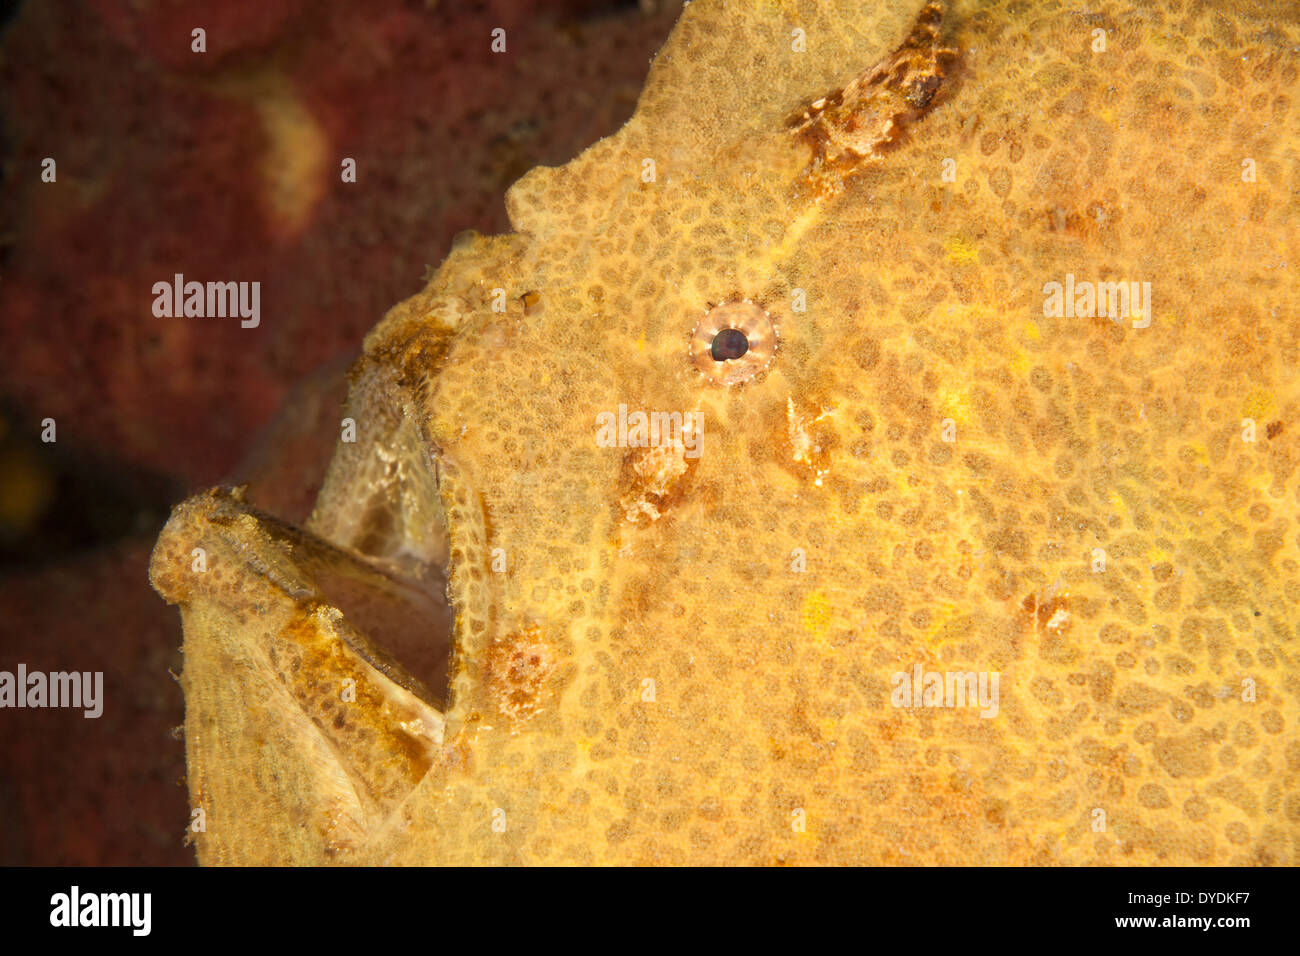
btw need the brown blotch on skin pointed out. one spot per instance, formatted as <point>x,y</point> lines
<point>519,667</point>
<point>803,434</point>
<point>858,123</point>
<point>1050,621</point>
<point>1090,222</point>
<point>653,480</point>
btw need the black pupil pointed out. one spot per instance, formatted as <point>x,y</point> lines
<point>729,344</point>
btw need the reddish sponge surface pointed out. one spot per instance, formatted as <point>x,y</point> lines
<point>161,30</point>
<point>225,167</point>
<point>162,164</point>
<point>107,790</point>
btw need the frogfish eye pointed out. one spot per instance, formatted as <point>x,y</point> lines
<point>733,342</point>
<point>729,344</point>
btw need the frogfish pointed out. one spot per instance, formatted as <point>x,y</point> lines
<point>881,450</point>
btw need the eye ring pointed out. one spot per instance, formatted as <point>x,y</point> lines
<point>733,342</point>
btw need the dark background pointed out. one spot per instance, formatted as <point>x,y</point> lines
<point>222,166</point>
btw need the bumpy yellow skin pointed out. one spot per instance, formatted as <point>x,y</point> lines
<point>930,472</point>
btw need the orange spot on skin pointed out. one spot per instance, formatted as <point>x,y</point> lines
<point>1047,617</point>
<point>519,666</point>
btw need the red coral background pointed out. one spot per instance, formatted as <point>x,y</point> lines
<point>162,160</point>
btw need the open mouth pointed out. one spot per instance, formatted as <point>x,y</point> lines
<point>408,623</point>
<point>383,504</point>
<point>336,635</point>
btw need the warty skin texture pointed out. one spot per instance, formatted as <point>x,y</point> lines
<point>929,472</point>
